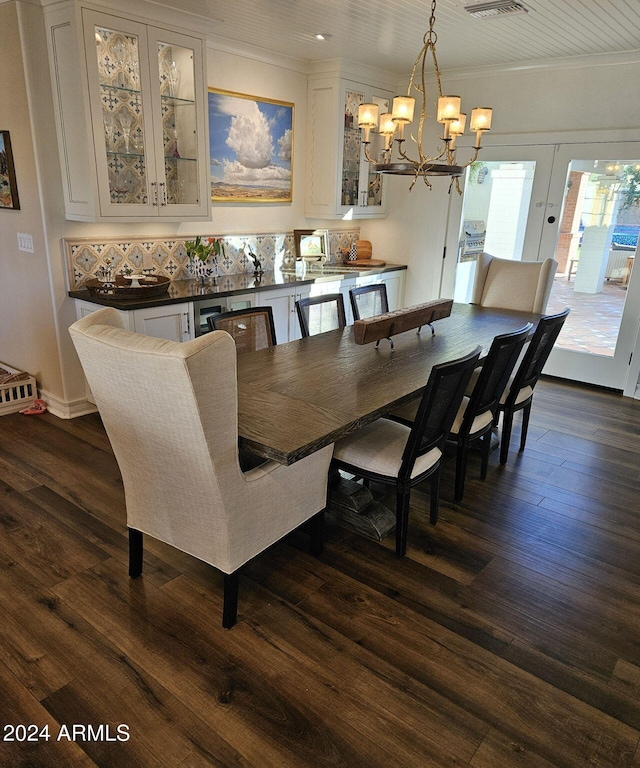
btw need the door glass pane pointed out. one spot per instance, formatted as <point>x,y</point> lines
<point>119,78</point>
<point>597,244</point>
<point>497,196</point>
<point>177,90</point>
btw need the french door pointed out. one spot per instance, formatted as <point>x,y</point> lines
<point>575,203</point>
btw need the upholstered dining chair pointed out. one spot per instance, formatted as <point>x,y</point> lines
<point>518,394</point>
<point>318,314</point>
<point>369,301</point>
<point>393,453</point>
<point>170,412</point>
<point>507,284</point>
<point>252,328</point>
<point>477,412</point>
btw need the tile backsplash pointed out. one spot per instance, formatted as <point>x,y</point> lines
<point>88,257</point>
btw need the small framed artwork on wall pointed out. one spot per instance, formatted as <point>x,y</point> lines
<point>8,186</point>
<point>251,142</point>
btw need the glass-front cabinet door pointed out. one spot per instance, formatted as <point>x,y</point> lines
<point>125,121</point>
<point>149,121</point>
<point>361,190</point>
<point>181,186</point>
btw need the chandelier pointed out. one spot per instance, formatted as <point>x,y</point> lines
<point>391,125</point>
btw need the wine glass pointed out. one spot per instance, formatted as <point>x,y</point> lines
<point>173,76</point>
<point>109,130</point>
<point>133,66</point>
<point>125,118</point>
<point>120,50</point>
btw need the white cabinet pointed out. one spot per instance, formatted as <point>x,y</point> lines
<point>340,181</point>
<point>173,322</point>
<point>131,117</point>
<point>283,304</point>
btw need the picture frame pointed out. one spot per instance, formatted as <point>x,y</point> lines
<point>251,143</point>
<point>8,185</point>
<point>311,244</point>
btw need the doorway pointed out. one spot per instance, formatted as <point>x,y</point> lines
<point>576,203</point>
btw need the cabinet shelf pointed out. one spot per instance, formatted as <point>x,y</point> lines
<point>177,101</point>
<point>120,88</point>
<point>112,153</point>
<point>181,159</point>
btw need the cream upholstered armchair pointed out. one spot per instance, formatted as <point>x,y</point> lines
<point>518,285</point>
<point>170,412</point>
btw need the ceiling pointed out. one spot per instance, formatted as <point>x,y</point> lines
<point>388,35</point>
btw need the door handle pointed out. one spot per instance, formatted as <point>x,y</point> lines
<point>154,190</point>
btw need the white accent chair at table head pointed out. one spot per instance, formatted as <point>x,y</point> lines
<point>519,285</point>
<point>170,412</point>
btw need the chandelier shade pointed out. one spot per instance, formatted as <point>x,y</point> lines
<point>391,125</point>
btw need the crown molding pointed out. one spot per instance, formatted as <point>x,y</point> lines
<point>545,65</point>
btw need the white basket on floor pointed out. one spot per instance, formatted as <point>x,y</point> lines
<point>16,393</point>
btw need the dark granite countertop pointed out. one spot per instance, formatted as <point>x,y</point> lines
<point>229,285</point>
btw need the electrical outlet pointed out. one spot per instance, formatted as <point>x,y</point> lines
<point>25,243</point>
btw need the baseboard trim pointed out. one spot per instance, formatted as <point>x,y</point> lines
<point>64,410</point>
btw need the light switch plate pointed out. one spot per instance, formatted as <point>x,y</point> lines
<point>25,242</point>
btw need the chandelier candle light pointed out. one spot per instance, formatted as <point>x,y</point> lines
<point>391,124</point>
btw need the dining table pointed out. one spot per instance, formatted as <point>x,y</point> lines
<point>298,397</point>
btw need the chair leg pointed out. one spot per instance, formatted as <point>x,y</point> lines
<point>230,600</point>
<point>485,444</point>
<point>526,411</point>
<point>317,533</point>
<point>402,519</point>
<point>135,553</point>
<point>505,438</point>
<point>435,497</point>
<point>461,469</point>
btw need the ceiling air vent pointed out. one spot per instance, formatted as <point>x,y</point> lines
<point>495,9</point>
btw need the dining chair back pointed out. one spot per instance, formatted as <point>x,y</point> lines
<point>506,284</point>
<point>318,314</point>
<point>478,412</point>
<point>170,410</point>
<point>518,394</point>
<point>390,452</point>
<point>369,301</point>
<point>251,328</point>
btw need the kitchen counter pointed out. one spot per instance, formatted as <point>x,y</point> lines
<point>228,285</point>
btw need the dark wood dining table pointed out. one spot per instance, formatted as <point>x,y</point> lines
<point>295,398</point>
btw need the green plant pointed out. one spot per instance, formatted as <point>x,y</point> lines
<point>631,192</point>
<point>198,249</point>
<point>474,171</point>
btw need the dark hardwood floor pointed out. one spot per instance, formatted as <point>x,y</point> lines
<point>509,636</point>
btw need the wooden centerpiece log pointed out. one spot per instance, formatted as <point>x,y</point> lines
<point>401,320</point>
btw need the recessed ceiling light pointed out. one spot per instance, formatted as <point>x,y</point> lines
<point>323,36</point>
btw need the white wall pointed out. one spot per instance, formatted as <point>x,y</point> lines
<point>27,323</point>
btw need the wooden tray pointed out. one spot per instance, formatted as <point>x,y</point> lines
<point>366,263</point>
<point>123,290</point>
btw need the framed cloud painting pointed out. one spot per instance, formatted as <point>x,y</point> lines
<point>251,142</point>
